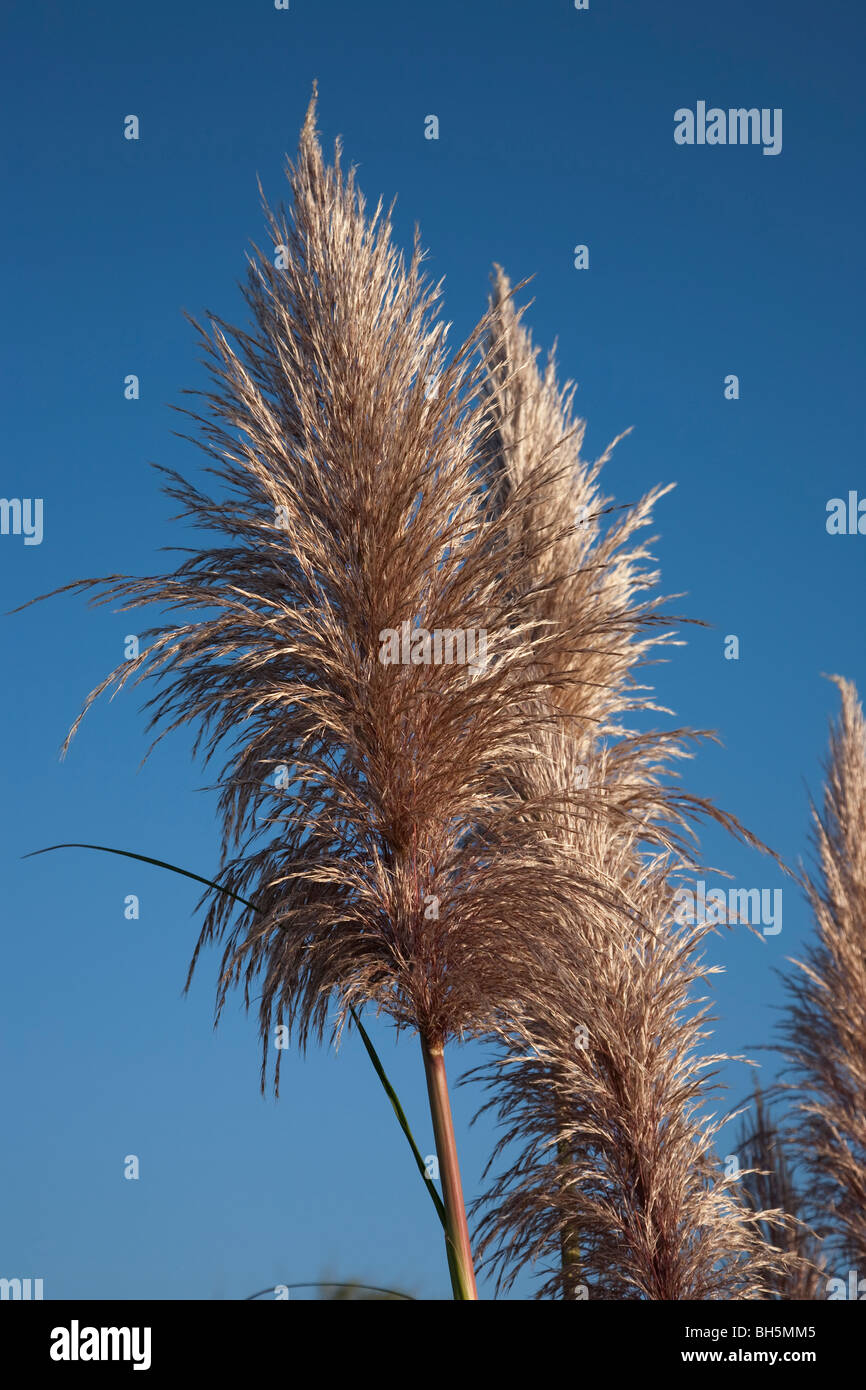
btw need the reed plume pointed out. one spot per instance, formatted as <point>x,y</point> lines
<point>366,822</point>
<point>768,1184</point>
<point>580,575</point>
<point>602,1091</point>
<point>600,1082</point>
<point>824,1027</point>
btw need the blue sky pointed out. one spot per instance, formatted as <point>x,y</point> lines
<point>556,129</point>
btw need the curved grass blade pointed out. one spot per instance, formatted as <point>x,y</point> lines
<point>401,1118</point>
<point>146,859</point>
<point>453,1267</point>
<point>371,1051</point>
<point>327,1284</point>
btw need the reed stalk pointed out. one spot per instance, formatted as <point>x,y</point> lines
<point>457,1228</point>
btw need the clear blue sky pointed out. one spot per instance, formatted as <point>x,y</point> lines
<point>556,128</point>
